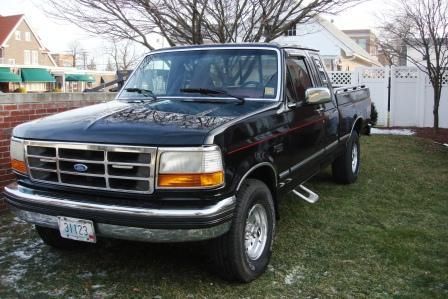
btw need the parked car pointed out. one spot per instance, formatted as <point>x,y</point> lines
<point>202,143</point>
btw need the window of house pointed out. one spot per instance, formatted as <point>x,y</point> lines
<point>299,79</point>
<point>27,57</point>
<point>35,57</point>
<point>27,36</point>
<point>18,35</point>
<point>362,42</point>
<point>292,31</point>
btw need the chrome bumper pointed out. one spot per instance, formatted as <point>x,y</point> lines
<point>30,196</point>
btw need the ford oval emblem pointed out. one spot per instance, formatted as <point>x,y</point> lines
<point>80,167</point>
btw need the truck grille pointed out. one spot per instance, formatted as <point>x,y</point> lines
<point>93,166</point>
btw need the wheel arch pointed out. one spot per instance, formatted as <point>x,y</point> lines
<point>266,173</point>
<point>357,125</point>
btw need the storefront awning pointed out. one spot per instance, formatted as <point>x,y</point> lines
<point>79,78</point>
<point>7,76</point>
<point>37,75</point>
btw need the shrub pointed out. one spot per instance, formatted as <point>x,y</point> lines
<point>373,115</point>
<point>57,89</point>
<point>20,90</point>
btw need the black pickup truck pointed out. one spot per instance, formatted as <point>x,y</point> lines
<point>200,144</point>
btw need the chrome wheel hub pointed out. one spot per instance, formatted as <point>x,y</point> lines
<point>354,158</point>
<point>256,232</point>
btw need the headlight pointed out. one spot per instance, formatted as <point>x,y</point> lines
<point>190,168</point>
<point>17,151</point>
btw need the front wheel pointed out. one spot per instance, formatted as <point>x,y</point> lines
<point>346,167</point>
<point>244,252</point>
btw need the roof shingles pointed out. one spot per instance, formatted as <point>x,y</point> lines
<point>7,24</point>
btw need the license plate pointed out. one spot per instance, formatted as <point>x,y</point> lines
<point>77,229</point>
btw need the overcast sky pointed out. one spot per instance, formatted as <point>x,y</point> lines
<point>57,36</point>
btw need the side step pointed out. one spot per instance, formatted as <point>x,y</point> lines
<point>306,194</point>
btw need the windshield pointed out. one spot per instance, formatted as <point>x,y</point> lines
<point>248,73</point>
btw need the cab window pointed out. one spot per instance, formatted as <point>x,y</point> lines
<point>299,79</point>
<point>320,71</point>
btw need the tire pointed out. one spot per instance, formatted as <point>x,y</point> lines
<point>51,237</point>
<point>235,262</point>
<point>346,167</point>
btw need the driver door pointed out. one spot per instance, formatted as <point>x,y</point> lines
<point>307,122</point>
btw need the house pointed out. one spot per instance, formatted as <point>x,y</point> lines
<point>25,62</point>
<point>19,45</point>
<point>338,50</point>
<point>64,59</point>
<point>415,54</point>
<point>366,39</point>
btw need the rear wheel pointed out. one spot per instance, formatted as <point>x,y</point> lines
<point>244,252</point>
<point>53,238</point>
<point>346,167</point>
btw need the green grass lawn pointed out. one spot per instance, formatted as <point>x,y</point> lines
<point>385,236</point>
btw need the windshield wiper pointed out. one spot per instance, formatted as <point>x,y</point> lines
<point>213,92</point>
<point>142,91</point>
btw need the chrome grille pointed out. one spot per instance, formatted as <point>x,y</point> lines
<point>93,166</point>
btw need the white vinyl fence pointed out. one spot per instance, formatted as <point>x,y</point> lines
<point>411,102</point>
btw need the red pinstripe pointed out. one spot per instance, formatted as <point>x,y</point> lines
<point>244,147</point>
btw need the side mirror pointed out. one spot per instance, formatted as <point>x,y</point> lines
<point>315,96</point>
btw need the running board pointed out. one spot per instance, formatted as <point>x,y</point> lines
<point>306,194</point>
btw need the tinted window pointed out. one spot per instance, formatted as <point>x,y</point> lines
<point>250,73</point>
<point>299,78</point>
<point>321,71</point>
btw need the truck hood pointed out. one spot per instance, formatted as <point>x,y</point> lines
<point>164,122</point>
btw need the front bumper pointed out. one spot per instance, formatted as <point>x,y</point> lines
<point>152,224</point>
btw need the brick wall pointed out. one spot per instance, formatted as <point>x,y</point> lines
<point>19,108</point>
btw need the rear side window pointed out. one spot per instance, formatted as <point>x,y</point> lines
<point>299,79</point>
<point>321,71</point>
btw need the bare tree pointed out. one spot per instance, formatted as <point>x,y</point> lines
<point>117,19</point>
<point>75,48</point>
<point>383,43</point>
<point>92,64</point>
<point>123,54</point>
<point>84,56</point>
<point>109,66</point>
<point>422,27</point>
<point>191,21</point>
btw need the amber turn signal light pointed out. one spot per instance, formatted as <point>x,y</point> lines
<point>18,166</point>
<point>191,180</point>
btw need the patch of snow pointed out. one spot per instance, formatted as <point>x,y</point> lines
<point>101,274</point>
<point>102,295</point>
<point>13,276</point>
<point>294,276</point>
<point>27,249</point>
<point>398,132</point>
<point>56,293</point>
<point>85,275</point>
<point>21,254</point>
